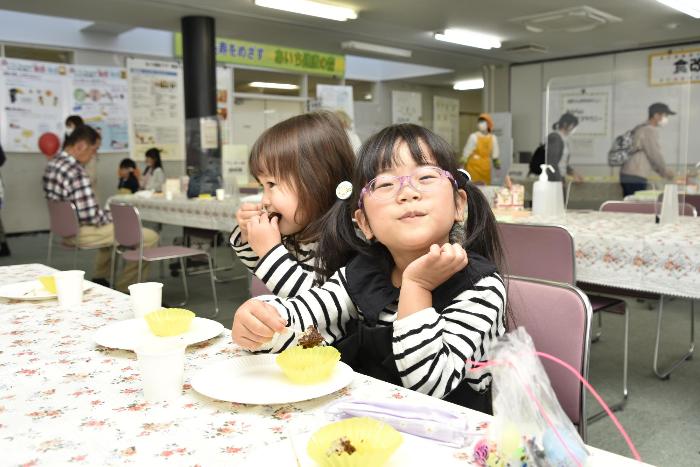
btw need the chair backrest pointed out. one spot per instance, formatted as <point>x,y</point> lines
<point>693,199</point>
<point>642,207</point>
<point>63,218</point>
<point>539,251</point>
<point>557,316</point>
<point>127,225</point>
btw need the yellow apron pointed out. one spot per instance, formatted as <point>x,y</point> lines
<point>479,162</point>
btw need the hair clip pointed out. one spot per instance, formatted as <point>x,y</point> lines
<point>343,190</point>
<point>466,174</point>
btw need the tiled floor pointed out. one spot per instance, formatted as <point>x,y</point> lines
<point>662,417</point>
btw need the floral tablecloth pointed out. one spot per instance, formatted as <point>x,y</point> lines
<point>209,214</point>
<point>631,251</point>
<point>66,401</point>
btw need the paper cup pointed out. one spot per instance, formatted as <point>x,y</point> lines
<point>169,195</point>
<point>162,366</point>
<point>145,297</point>
<point>69,288</point>
<point>220,194</point>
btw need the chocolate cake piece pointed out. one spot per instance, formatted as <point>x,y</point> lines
<point>311,338</point>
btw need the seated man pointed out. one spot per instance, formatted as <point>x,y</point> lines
<point>65,179</point>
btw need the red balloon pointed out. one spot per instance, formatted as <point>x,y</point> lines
<point>49,144</point>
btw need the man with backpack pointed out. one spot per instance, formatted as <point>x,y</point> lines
<point>645,152</point>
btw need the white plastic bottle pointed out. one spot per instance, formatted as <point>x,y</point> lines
<point>547,197</point>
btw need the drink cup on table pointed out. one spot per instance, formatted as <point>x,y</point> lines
<point>69,288</point>
<point>220,194</point>
<point>146,297</point>
<point>162,367</point>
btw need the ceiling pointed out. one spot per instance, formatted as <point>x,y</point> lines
<point>399,23</point>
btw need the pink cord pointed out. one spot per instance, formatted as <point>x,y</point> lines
<point>586,384</point>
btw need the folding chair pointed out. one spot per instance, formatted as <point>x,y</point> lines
<point>128,236</point>
<point>526,246</point>
<point>64,223</point>
<point>557,316</point>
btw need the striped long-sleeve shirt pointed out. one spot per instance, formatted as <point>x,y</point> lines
<point>283,273</point>
<point>429,347</point>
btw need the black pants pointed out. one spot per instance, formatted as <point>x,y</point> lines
<point>632,184</point>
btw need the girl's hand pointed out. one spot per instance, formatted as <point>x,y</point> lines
<point>435,267</point>
<point>255,323</point>
<point>243,215</point>
<point>263,234</point>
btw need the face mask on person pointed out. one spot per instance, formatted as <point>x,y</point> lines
<point>573,130</point>
<point>69,130</point>
<point>663,121</point>
<point>482,126</point>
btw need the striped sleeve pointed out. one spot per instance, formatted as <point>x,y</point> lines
<point>328,307</point>
<point>283,274</point>
<point>243,250</point>
<point>430,348</point>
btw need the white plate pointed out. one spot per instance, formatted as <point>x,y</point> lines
<point>129,333</point>
<point>31,291</point>
<point>258,380</point>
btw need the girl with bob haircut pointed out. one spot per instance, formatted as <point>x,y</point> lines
<point>299,163</point>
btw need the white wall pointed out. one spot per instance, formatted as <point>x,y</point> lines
<point>626,75</point>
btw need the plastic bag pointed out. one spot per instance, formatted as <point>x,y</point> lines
<point>529,426</point>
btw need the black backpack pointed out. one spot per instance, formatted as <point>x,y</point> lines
<point>537,159</point>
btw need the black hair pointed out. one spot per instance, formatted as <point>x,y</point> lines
<point>153,153</point>
<point>340,241</point>
<point>75,121</point>
<point>127,164</point>
<point>566,120</point>
<point>82,133</point>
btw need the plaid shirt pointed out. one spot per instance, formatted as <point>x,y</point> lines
<point>65,179</point>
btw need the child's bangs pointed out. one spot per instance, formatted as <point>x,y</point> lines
<point>426,148</point>
<point>273,154</point>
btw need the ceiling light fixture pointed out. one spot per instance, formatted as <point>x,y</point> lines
<point>375,48</point>
<point>264,85</point>
<point>689,7</point>
<point>468,84</point>
<point>469,38</point>
<point>306,7</point>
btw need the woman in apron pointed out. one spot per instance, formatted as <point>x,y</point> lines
<point>480,150</point>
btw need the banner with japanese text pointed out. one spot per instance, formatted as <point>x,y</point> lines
<point>680,67</point>
<point>273,56</point>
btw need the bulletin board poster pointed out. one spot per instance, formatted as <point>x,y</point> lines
<point>406,107</point>
<point>224,102</point>
<point>156,108</point>
<point>591,106</point>
<point>446,119</point>
<point>33,102</point>
<point>332,97</point>
<point>100,96</point>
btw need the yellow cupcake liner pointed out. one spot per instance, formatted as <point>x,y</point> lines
<point>49,283</point>
<point>169,321</point>
<point>373,440</point>
<point>308,366</point>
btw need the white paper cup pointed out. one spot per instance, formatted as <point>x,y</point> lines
<point>69,288</point>
<point>162,366</point>
<point>169,195</point>
<point>146,297</point>
<point>220,194</point>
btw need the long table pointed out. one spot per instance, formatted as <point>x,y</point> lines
<point>210,214</point>
<point>631,251</point>
<point>65,400</point>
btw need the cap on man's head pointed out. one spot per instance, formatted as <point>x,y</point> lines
<point>660,108</point>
